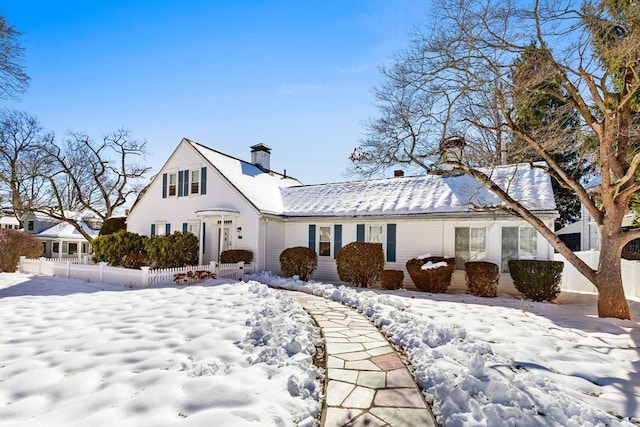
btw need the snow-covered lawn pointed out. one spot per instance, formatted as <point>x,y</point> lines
<point>84,354</point>
<point>238,354</point>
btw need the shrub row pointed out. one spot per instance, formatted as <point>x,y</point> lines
<point>132,250</point>
<point>15,244</point>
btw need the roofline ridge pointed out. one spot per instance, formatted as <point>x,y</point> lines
<point>240,160</point>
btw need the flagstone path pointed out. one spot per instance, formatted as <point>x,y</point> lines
<point>368,384</point>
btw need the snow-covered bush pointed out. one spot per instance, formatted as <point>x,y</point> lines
<point>298,261</point>
<point>536,279</point>
<point>435,279</point>
<point>15,244</point>
<point>360,263</point>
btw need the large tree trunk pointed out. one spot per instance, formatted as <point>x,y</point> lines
<point>612,301</point>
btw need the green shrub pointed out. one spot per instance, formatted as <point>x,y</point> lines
<point>360,263</point>
<point>15,244</point>
<point>236,255</point>
<point>112,248</point>
<point>431,279</point>
<point>112,225</point>
<point>482,278</point>
<point>391,279</point>
<point>173,250</point>
<point>298,261</point>
<point>537,280</point>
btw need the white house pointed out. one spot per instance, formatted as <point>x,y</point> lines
<point>61,239</point>
<point>9,221</point>
<point>231,203</point>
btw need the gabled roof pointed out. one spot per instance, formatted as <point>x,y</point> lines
<point>428,194</point>
<point>260,187</point>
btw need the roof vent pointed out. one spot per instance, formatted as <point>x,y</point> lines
<point>261,156</point>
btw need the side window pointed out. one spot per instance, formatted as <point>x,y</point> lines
<point>375,234</point>
<point>470,245</point>
<point>195,182</point>
<point>518,243</point>
<point>30,226</point>
<point>324,241</point>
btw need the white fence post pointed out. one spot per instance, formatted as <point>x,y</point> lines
<point>68,269</point>
<point>21,266</point>
<point>144,277</point>
<point>241,269</point>
<point>214,268</point>
<point>41,261</point>
<point>102,264</point>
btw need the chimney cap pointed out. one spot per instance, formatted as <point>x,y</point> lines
<point>260,147</point>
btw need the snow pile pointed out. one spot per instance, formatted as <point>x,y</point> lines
<point>504,366</point>
<point>227,354</point>
<point>433,265</point>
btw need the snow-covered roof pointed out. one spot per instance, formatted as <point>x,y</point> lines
<point>428,194</point>
<point>274,193</point>
<point>260,187</point>
<point>64,230</point>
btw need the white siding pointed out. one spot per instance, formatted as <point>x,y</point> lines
<point>414,238</point>
<point>273,245</point>
<point>175,210</point>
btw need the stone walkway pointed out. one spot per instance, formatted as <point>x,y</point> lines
<point>367,382</point>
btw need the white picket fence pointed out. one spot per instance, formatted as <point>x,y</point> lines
<point>143,278</point>
<point>573,280</point>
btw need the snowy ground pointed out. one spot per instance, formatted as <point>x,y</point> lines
<point>82,354</point>
<point>74,353</point>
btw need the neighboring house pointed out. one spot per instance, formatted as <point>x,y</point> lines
<point>9,221</point>
<point>583,235</point>
<point>230,203</point>
<point>61,239</point>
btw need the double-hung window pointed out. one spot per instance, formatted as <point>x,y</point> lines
<point>173,184</point>
<point>375,233</point>
<point>324,240</point>
<point>470,245</point>
<point>195,181</point>
<point>518,243</point>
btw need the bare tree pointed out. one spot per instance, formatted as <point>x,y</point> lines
<point>458,72</point>
<point>13,79</point>
<point>89,175</point>
<point>23,161</point>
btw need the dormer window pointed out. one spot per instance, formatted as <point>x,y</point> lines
<point>30,226</point>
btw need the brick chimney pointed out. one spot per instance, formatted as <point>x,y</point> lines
<point>452,150</point>
<point>261,156</point>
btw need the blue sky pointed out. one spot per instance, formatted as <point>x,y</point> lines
<point>294,75</point>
